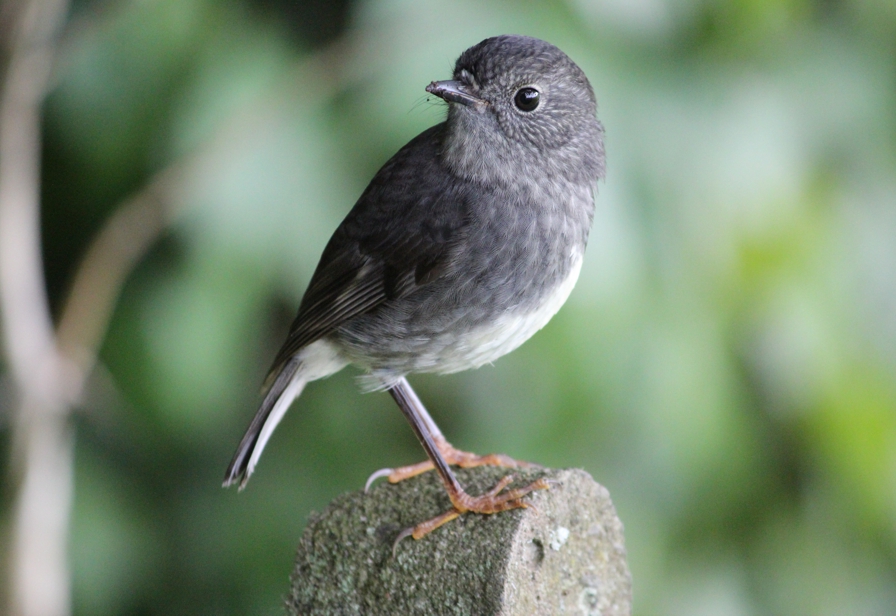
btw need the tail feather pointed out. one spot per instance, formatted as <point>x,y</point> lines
<point>286,387</point>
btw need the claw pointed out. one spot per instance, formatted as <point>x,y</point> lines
<point>454,457</point>
<point>383,472</point>
<point>493,501</point>
<point>402,535</point>
<point>424,528</point>
<point>529,505</point>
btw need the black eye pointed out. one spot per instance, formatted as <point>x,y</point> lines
<point>526,99</point>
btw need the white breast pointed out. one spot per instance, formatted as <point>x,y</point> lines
<point>488,343</point>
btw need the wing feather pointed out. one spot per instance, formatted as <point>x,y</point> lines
<point>401,235</point>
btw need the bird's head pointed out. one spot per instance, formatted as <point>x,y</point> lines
<point>518,104</point>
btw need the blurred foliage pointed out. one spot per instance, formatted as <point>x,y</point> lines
<point>725,366</point>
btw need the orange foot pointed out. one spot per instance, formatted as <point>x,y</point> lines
<point>454,457</point>
<point>493,501</point>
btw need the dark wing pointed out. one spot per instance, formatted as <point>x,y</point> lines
<point>402,233</point>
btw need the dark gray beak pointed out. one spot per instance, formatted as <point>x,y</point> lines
<point>455,92</point>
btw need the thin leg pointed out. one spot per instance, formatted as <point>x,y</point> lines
<point>422,425</point>
<point>494,501</point>
<point>419,409</point>
<point>451,455</point>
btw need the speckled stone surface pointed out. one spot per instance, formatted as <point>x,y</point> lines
<point>565,555</point>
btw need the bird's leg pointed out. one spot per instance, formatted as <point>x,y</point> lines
<point>493,501</point>
<point>451,455</point>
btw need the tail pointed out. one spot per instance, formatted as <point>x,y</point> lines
<point>286,387</point>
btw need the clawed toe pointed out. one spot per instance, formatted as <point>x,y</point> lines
<point>383,472</point>
<point>495,500</point>
<point>442,455</point>
<point>424,528</point>
<point>452,456</point>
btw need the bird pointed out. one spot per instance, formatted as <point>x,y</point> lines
<point>464,244</point>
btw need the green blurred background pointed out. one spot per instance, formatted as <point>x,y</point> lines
<point>725,366</point>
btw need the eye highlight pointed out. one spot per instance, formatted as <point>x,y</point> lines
<point>527,99</point>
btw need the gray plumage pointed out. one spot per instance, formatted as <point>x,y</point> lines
<point>463,245</point>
